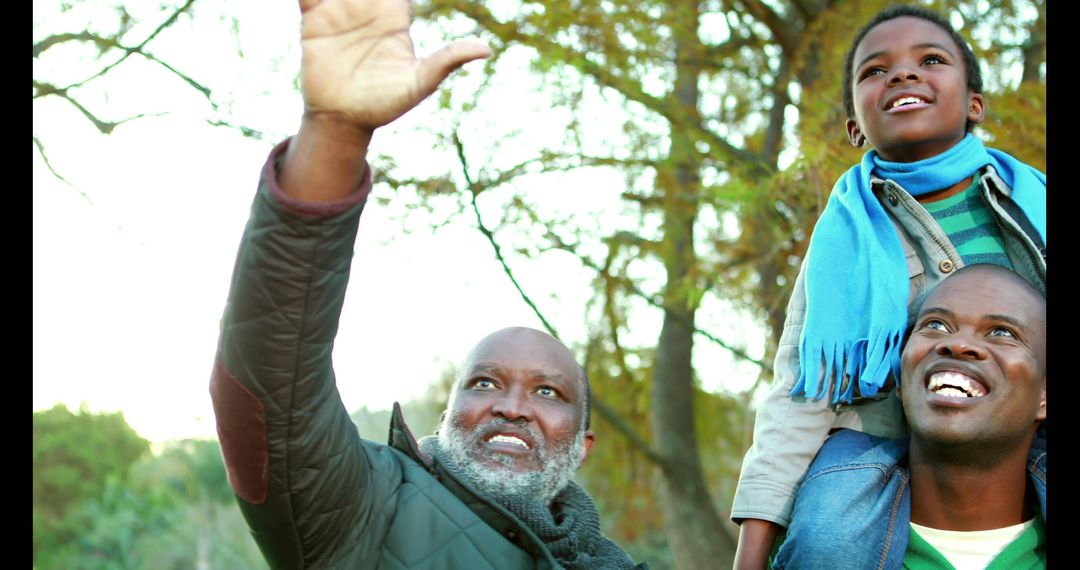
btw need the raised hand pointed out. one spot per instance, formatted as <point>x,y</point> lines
<point>358,60</point>
<point>358,72</point>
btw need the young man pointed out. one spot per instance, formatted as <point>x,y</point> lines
<point>494,488</point>
<point>968,488</point>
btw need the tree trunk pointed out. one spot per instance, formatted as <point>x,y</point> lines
<point>694,529</point>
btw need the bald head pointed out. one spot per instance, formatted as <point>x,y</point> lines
<point>1001,280</point>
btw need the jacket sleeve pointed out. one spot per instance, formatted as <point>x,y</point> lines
<point>305,481</point>
<point>789,431</point>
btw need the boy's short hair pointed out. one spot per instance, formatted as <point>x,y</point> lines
<point>971,64</point>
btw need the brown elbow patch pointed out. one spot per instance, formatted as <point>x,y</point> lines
<point>241,427</point>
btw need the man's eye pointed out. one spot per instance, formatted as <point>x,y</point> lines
<point>547,392</point>
<point>483,384</point>
<point>936,325</point>
<point>1002,331</point>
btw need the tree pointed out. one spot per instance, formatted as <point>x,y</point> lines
<point>700,140</point>
<point>175,510</point>
<point>74,456</point>
<point>707,95</point>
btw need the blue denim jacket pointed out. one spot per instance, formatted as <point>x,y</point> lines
<point>854,508</point>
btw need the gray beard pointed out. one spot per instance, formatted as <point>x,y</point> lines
<point>495,475</point>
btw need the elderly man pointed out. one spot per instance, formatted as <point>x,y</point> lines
<point>494,489</point>
<point>968,488</point>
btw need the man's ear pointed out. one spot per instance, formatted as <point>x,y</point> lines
<point>590,439</point>
<point>976,108</point>
<point>854,133</point>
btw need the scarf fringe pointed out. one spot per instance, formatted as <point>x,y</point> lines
<point>866,362</point>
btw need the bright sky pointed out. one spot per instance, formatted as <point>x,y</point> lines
<point>130,284</point>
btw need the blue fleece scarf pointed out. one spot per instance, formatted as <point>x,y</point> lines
<point>856,276</point>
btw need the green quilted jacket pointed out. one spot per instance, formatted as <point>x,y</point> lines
<point>314,493</point>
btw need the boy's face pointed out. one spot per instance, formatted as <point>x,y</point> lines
<point>910,91</point>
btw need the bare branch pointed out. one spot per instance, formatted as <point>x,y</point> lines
<point>45,158</point>
<point>491,237</point>
<point>603,75</point>
<point>635,290</point>
<point>608,413</point>
<point>246,131</point>
<point>106,127</point>
<point>138,49</point>
<point>601,408</point>
<point>105,42</point>
<point>62,38</point>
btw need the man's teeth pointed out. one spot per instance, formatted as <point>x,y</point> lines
<point>508,439</point>
<point>906,101</point>
<point>955,385</point>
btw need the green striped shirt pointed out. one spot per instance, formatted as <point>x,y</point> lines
<point>970,226</point>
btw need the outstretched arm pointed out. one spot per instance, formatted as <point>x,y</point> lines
<point>358,73</point>
<point>312,493</point>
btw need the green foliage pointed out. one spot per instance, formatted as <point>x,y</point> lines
<point>422,414</point>
<point>102,502</point>
<point>155,528</point>
<point>74,456</point>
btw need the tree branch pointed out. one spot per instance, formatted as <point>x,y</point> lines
<point>633,288</point>
<point>41,151</point>
<point>245,131</point>
<point>608,413</point>
<point>601,408</point>
<point>512,33</point>
<point>138,49</point>
<point>106,127</point>
<point>62,38</point>
<point>780,29</point>
<point>474,191</point>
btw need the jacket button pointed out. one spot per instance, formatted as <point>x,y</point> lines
<point>512,535</point>
<point>891,195</point>
<point>946,266</point>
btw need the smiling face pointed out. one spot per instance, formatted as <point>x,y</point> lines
<point>974,367</point>
<point>911,97</point>
<point>515,419</point>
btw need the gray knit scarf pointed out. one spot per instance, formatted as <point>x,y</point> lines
<point>570,528</point>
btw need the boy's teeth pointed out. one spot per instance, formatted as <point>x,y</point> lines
<point>906,101</point>
<point>508,439</point>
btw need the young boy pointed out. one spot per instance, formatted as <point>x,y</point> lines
<point>927,200</point>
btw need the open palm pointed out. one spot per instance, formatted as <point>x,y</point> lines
<point>359,65</point>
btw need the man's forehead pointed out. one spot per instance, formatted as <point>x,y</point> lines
<point>986,291</point>
<point>499,368</point>
<point>523,351</point>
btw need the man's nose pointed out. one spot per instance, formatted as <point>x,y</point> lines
<point>513,405</point>
<point>961,345</point>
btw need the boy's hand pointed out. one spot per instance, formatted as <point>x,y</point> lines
<point>756,539</point>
